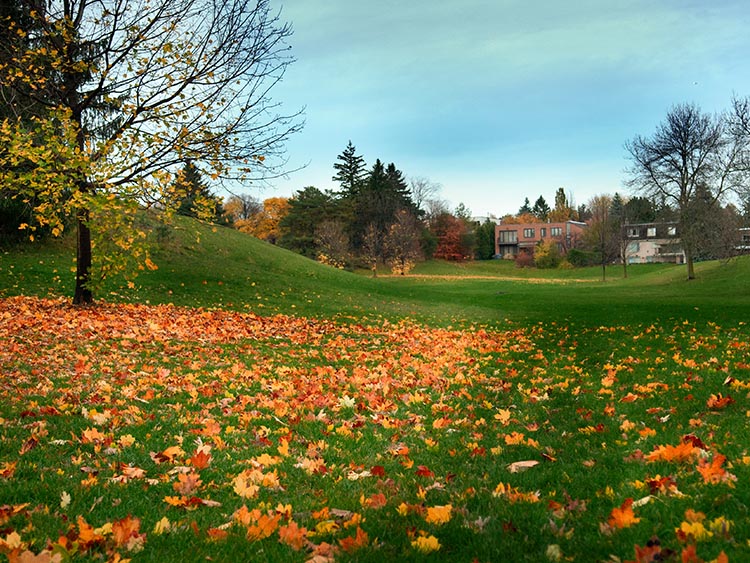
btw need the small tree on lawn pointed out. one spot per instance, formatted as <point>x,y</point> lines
<point>402,243</point>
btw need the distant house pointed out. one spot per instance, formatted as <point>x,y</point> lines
<point>653,243</point>
<point>744,243</point>
<point>511,239</point>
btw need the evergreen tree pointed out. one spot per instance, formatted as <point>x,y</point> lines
<point>541,209</point>
<point>308,209</point>
<point>525,208</point>
<point>350,170</point>
<point>640,210</point>
<point>195,197</point>
<point>485,240</point>
<point>379,199</point>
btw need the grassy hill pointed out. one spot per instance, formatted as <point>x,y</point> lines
<point>225,268</point>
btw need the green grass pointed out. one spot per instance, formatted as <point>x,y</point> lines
<point>588,378</point>
<point>232,270</point>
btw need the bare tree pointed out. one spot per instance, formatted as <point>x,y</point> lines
<point>422,191</point>
<point>139,87</point>
<point>688,149</point>
<point>603,230</point>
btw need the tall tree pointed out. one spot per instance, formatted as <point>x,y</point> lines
<point>131,90</point>
<point>350,170</point>
<point>689,149</point>
<point>619,218</point>
<point>422,190</point>
<point>639,210</point>
<point>485,240</point>
<point>563,211</point>
<point>402,242</point>
<point>603,230</point>
<point>380,198</point>
<point>242,207</point>
<point>308,208</point>
<point>541,209</point>
<point>525,208</point>
<point>193,197</point>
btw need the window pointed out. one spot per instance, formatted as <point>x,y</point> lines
<point>528,233</point>
<point>632,232</point>
<point>672,231</point>
<point>651,232</point>
<point>543,232</point>
<point>507,236</point>
<point>555,231</point>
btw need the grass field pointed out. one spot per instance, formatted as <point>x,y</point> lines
<point>467,413</point>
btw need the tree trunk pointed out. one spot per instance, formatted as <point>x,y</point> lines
<point>83,295</point>
<point>690,268</point>
<point>604,271</point>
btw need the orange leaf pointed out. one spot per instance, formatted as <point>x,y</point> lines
<point>293,536</point>
<point>353,543</point>
<point>623,516</point>
<point>264,527</point>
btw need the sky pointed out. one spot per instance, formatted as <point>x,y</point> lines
<point>501,100</point>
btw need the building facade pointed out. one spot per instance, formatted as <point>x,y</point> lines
<point>653,243</point>
<point>512,239</point>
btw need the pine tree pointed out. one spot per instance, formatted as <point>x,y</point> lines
<point>350,170</point>
<point>525,208</point>
<point>194,195</point>
<point>541,209</point>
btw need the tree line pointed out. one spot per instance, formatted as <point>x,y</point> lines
<point>374,217</point>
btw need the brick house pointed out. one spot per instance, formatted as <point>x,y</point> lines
<point>511,239</point>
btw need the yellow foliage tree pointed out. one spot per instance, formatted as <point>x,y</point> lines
<point>123,94</point>
<point>265,223</point>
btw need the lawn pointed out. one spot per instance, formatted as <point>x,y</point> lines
<point>305,414</point>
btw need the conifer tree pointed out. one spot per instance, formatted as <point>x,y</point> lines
<point>350,170</point>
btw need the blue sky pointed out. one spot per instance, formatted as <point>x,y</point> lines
<point>506,99</point>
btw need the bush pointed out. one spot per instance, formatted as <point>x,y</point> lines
<point>524,260</point>
<point>547,255</point>
<point>581,258</point>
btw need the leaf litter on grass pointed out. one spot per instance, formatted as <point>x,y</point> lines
<point>317,441</point>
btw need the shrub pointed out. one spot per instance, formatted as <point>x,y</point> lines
<point>547,255</point>
<point>524,260</point>
<point>581,258</point>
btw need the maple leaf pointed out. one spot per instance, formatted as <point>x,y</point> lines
<point>718,401</point>
<point>426,544</point>
<point>187,484</point>
<point>293,536</point>
<point>351,544</point>
<point>378,470</point>
<point>7,469</point>
<point>375,501</point>
<point>168,455</point>
<point>514,495</point>
<point>424,471</point>
<point>680,453</point>
<point>439,514</point>
<point>263,527</point>
<point>216,534</point>
<point>86,534</point>
<point>651,553</point>
<point>200,459</point>
<point>126,533</point>
<point>623,516</point>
